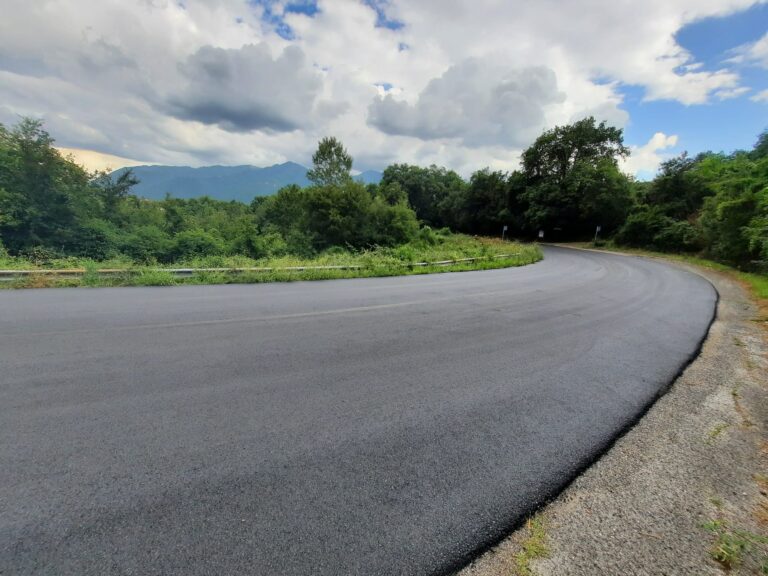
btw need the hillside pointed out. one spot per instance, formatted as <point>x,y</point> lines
<point>222,182</point>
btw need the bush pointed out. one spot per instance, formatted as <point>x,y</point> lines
<point>426,236</point>
<point>147,244</point>
<point>348,215</point>
<point>40,255</point>
<point>96,239</point>
<point>676,236</point>
<point>269,244</point>
<point>193,243</point>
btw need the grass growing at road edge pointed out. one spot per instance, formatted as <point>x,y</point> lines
<point>376,262</point>
<point>534,546</point>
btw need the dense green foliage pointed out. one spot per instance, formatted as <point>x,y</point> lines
<point>50,206</point>
<point>569,183</point>
<point>716,204</point>
<point>430,252</point>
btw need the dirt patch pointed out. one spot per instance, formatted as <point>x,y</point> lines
<point>686,490</point>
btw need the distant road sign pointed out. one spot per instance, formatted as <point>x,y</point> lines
<point>541,233</point>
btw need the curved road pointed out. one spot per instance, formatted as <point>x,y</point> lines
<point>373,426</point>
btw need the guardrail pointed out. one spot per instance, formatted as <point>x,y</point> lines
<point>9,275</point>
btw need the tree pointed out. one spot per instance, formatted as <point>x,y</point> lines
<point>485,204</point>
<point>761,146</point>
<point>330,164</point>
<point>731,218</point>
<point>679,189</point>
<point>429,190</point>
<point>37,207</point>
<point>573,182</point>
<point>114,191</point>
<point>555,153</point>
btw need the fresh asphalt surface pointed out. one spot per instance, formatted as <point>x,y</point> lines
<point>371,426</point>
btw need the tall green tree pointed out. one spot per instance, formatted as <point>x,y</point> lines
<point>573,182</point>
<point>331,164</point>
<point>40,189</point>
<point>430,191</point>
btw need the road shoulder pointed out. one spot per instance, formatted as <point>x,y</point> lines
<point>687,484</point>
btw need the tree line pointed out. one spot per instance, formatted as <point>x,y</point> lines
<point>569,183</point>
<point>52,207</point>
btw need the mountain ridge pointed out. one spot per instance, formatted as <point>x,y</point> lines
<point>242,182</point>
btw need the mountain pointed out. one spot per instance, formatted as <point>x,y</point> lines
<point>222,182</point>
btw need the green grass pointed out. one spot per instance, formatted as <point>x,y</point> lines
<point>732,546</point>
<point>371,263</point>
<point>534,546</point>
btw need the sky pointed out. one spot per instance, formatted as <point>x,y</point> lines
<point>460,84</point>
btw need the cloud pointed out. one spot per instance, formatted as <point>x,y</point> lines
<point>754,53</point>
<point>632,43</point>
<point>761,96</point>
<point>729,93</point>
<point>98,161</point>
<point>222,81</point>
<point>479,102</point>
<point>644,160</point>
<point>246,89</point>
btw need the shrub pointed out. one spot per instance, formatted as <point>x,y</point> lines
<point>147,244</point>
<point>193,243</point>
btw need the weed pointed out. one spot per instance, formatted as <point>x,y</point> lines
<point>533,547</point>
<point>207,277</point>
<point>33,281</point>
<point>732,545</point>
<point>91,275</point>
<point>713,434</point>
<point>153,278</point>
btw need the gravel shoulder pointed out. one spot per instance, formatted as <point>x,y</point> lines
<point>688,481</point>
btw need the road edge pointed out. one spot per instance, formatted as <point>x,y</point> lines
<point>504,556</point>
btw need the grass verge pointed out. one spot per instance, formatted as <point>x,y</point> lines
<point>399,261</point>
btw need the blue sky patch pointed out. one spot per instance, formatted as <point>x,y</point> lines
<point>382,20</point>
<point>720,125</point>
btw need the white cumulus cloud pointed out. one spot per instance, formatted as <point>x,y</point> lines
<point>645,159</point>
<point>463,84</point>
<point>478,102</point>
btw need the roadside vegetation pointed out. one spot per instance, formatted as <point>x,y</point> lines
<point>533,547</point>
<point>55,214</point>
<point>444,252</point>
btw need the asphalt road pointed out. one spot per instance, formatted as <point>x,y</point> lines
<point>370,426</point>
